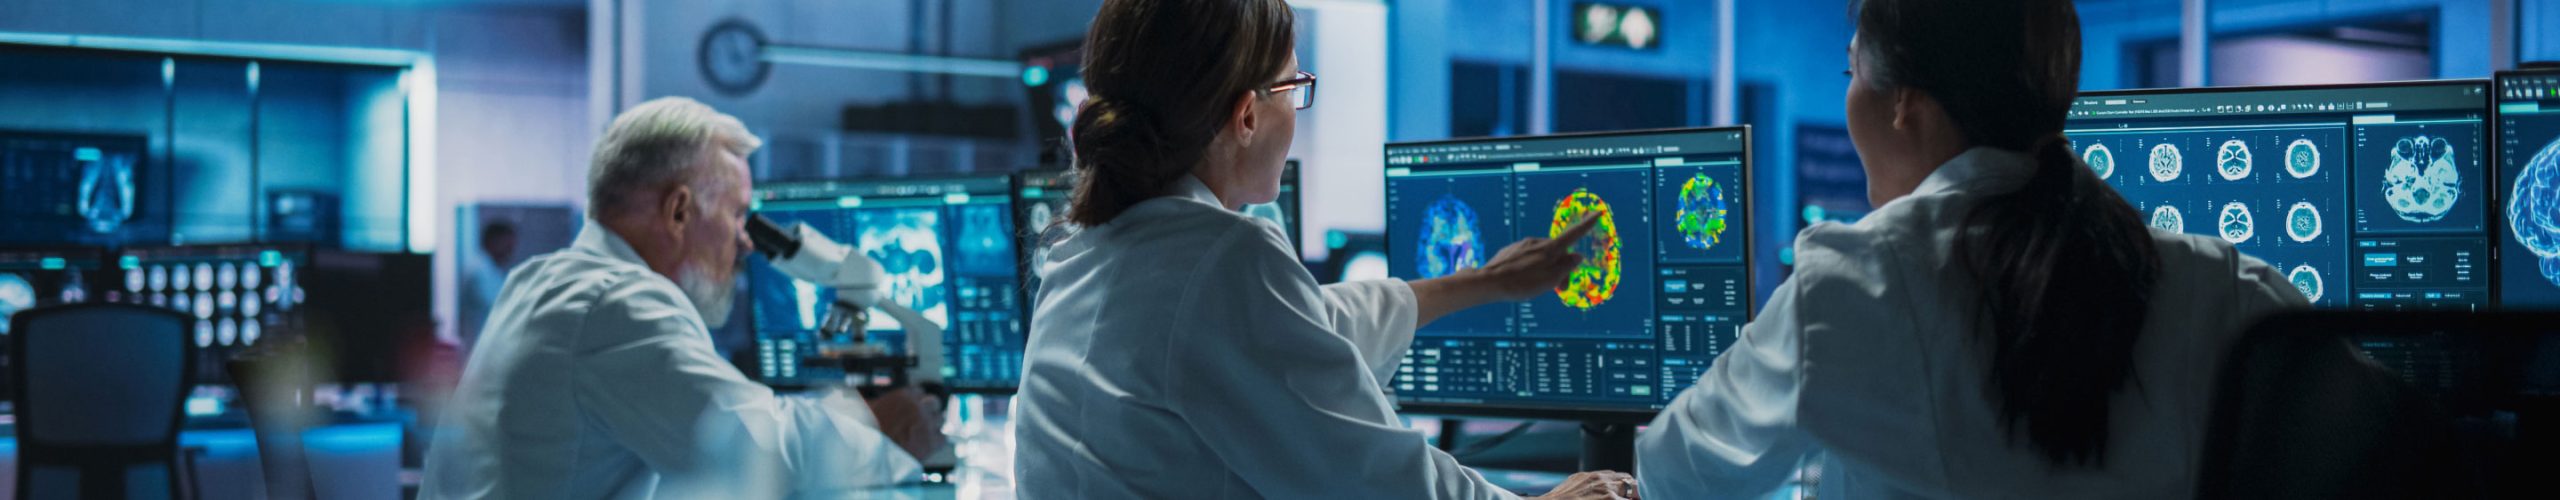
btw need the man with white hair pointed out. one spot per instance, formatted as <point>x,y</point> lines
<point>596,376</point>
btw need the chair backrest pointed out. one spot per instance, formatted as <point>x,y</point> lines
<point>101,394</point>
<point>2379,405</point>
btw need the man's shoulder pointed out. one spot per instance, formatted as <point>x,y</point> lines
<point>578,284</point>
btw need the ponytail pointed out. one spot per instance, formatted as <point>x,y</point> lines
<point>1141,159</point>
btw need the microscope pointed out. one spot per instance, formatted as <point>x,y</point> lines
<point>860,285</point>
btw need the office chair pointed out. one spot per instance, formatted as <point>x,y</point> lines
<point>101,393</point>
<point>2345,405</point>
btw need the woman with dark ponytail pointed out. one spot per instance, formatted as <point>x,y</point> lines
<point>1178,349</point>
<point>2002,326</point>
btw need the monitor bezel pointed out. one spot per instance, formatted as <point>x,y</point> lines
<point>1013,185</point>
<point>1595,414</point>
<point>2497,197</point>
<point>2489,127</point>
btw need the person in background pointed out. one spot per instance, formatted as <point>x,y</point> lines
<point>596,378</point>
<point>1178,348</point>
<point>485,271</point>
<point>2002,326</point>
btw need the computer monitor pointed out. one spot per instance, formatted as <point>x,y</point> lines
<point>2527,188</point>
<point>80,189</point>
<point>1664,286</point>
<point>948,245</point>
<point>238,294</point>
<point>32,278</point>
<point>2375,195</point>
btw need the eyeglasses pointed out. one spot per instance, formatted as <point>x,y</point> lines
<point>1304,84</point>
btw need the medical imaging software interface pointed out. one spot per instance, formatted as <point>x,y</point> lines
<point>2528,190</point>
<point>948,246</point>
<point>2368,197</point>
<point>237,294</point>
<point>1663,286</point>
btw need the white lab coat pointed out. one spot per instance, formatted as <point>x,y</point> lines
<point>1181,351</point>
<point>597,379</point>
<point>1869,352</point>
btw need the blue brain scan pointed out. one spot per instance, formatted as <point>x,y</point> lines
<point>2236,225</point>
<point>906,243</point>
<point>2301,159</point>
<point>2233,160</point>
<point>1450,241</point>
<point>2308,280</point>
<point>2166,163</point>
<point>2421,183</point>
<point>106,189</point>
<point>2100,160</point>
<point>2533,210</point>
<point>16,294</point>
<point>2302,222</point>
<point>2167,218</point>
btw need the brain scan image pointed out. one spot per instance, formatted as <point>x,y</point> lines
<point>249,332</point>
<point>1451,240</point>
<point>2302,222</point>
<point>226,276</point>
<point>106,190</point>
<point>2301,159</point>
<point>2422,183</point>
<point>1701,219</point>
<point>2232,160</point>
<point>1598,16</point>
<point>227,332</point>
<point>16,294</point>
<point>983,241</point>
<point>180,279</point>
<point>2167,218</point>
<point>2308,280</point>
<point>906,243</point>
<point>204,276</point>
<point>248,276</point>
<point>204,333</point>
<point>2166,163</point>
<point>2533,209</point>
<point>2100,160</point>
<point>159,278</point>
<point>1596,280</point>
<point>2236,225</point>
<point>133,280</point>
<point>1040,218</point>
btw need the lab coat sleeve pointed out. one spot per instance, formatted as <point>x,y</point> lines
<point>1817,365</point>
<point>1273,387</point>
<point>651,380</point>
<point>1378,316</point>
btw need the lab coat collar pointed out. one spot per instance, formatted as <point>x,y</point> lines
<point>1981,163</point>
<point>1190,187</point>
<point>596,239</point>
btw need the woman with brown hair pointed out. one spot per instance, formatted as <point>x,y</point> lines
<point>2002,326</point>
<point>1178,349</point>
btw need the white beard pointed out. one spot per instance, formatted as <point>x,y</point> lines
<point>710,298</point>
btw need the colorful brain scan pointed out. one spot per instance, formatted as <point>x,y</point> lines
<point>2533,210</point>
<point>2421,184</point>
<point>2236,225</point>
<point>1596,280</point>
<point>2100,160</point>
<point>1702,212</point>
<point>2233,160</point>
<point>2302,222</point>
<point>2301,159</point>
<point>2166,162</point>
<point>2308,280</point>
<point>1450,240</point>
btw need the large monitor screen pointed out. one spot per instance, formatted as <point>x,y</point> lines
<point>32,278</point>
<point>2372,197</point>
<point>948,245</point>
<point>79,189</point>
<point>1664,285</point>
<point>2527,189</point>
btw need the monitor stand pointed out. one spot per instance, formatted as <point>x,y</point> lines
<point>1609,446</point>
